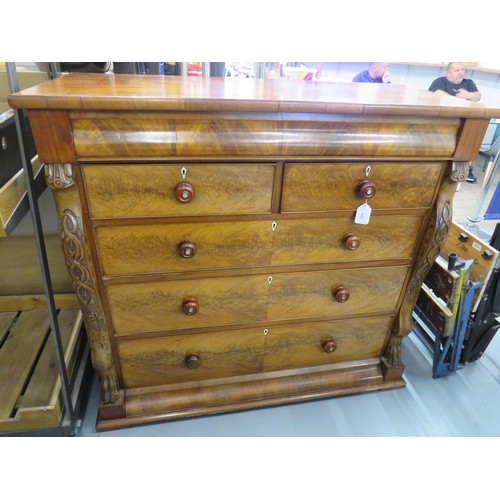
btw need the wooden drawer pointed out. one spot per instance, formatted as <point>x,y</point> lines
<point>125,250</point>
<point>164,361</point>
<point>158,361</point>
<point>309,344</point>
<point>156,306</point>
<point>311,294</point>
<point>333,186</point>
<point>149,190</point>
<point>139,307</point>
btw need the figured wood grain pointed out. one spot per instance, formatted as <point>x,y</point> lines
<point>153,306</point>
<point>163,135</point>
<point>207,135</point>
<point>309,294</point>
<point>53,136</point>
<point>376,137</point>
<point>126,250</point>
<point>148,190</point>
<point>142,307</point>
<point>332,186</point>
<point>147,92</point>
<point>162,361</point>
<point>222,395</point>
<point>300,345</point>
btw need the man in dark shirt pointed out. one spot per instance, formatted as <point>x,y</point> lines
<point>376,73</point>
<point>456,85</point>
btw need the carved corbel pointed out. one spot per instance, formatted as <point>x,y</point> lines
<point>434,238</point>
<point>60,178</point>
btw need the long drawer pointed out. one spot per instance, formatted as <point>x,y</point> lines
<point>191,303</point>
<point>126,250</point>
<point>186,358</point>
<point>334,186</point>
<point>135,190</point>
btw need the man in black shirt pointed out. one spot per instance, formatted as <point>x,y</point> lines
<point>456,85</point>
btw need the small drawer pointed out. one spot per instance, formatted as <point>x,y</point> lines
<point>126,250</point>
<point>321,343</point>
<point>187,358</point>
<point>343,186</point>
<point>164,190</point>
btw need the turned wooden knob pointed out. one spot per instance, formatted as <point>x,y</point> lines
<point>190,307</point>
<point>341,294</point>
<point>366,189</point>
<point>186,249</point>
<point>351,241</point>
<point>329,345</point>
<point>184,192</point>
<point>192,361</point>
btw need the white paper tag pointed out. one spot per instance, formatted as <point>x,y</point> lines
<point>363,213</point>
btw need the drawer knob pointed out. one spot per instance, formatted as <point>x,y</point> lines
<point>184,192</point>
<point>190,307</point>
<point>366,189</point>
<point>351,241</point>
<point>186,249</point>
<point>192,361</point>
<point>329,345</point>
<point>341,294</point>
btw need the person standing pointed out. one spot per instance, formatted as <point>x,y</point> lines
<point>456,85</point>
<point>377,72</point>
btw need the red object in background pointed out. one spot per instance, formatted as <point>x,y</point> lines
<point>194,69</point>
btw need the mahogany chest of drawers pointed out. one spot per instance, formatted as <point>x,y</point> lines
<point>218,237</point>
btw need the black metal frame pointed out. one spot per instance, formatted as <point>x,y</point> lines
<point>71,389</point>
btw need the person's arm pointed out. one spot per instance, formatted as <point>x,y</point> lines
<point>439,91</point>
<point>469,96</point>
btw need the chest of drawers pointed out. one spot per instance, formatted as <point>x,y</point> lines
<point>209,228</point>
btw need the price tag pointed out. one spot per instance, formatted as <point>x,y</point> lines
<point>363,213</point>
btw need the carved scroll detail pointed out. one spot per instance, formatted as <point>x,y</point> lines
<point>83,284</point>
<point>435,236</point>
<point>459,171</point>
<point>59,175</point>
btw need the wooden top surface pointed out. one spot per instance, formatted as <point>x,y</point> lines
<point>85,91</point>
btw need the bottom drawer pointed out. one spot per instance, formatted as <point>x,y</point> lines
<point>189,358</point>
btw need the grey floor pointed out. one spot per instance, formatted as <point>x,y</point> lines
<point>465,403</point>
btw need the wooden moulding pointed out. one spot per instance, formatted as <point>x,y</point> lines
<point>30,393</point>
<point>247,392</point>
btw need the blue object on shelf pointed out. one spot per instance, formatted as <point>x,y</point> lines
<point>493,210</point>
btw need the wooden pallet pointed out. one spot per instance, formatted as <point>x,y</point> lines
<point>30,387</point>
